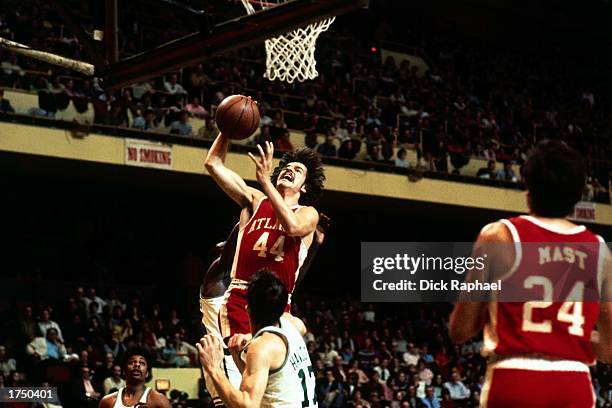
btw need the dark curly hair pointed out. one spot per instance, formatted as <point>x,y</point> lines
<point>315,175</point>
<point>139,351</point>
<point>555,175</point>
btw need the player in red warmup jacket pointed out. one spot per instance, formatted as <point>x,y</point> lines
<point>275,230</point>
<point>539,351</point>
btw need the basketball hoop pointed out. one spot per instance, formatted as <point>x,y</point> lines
<point>290,56</point>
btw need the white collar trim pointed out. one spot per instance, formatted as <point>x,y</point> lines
<point>571,231</point>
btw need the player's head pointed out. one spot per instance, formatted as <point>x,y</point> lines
<point>555,176</point>
<point>266,299</point>
<point>301,171</point>
<point>137,365</point>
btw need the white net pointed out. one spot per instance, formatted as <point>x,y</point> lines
<point>290,56</point>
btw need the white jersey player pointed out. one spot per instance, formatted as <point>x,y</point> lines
<point>214,285</point>
<point>276,369</point>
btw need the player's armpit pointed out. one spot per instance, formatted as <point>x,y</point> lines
<point>305,222</point>
<point>469,316</point>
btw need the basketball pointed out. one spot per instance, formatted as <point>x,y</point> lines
<point>237,117</point>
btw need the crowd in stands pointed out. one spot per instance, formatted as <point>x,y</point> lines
<point>469,104</point>
<point>363,356</point>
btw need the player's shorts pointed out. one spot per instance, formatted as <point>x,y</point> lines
<point>209,307</point>
<point>537,383</point>
<point>233,316</point>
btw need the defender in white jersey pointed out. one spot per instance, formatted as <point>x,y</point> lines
<point>137,370</point>
<point>214,285</point>
<point>276,369</point>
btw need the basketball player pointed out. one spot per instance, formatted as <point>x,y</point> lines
<point>276,369</point>
<point>138,370</point>
<point>215,282</point>
<point>275,231</point>
<point>543,347</point>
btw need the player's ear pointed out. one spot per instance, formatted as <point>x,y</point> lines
<point>303,189</point>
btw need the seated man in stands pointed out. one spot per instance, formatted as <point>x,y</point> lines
<point>181,126</point>
<point>48,347</point>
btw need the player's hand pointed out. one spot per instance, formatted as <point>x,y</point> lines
<point>238,342</point>
<point>210,352</point>
<point>263,164</point>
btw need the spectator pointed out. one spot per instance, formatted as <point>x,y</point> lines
<point>283,143</point>
<point>327,354</point>
<point>198,77</point>
<point>56,86</point>
<point>328,148</point>
<point>264,119</point>
<point>114,382</point>
<point>329,391</point>
<point>375,153</point>
<point>85,393</point>
<point>195,109</point>
<point>438,386</point>
<point>429,401</point>
<point>348,149</point>
<point>383,370</point>
<point>11,70</point>
<point>7,364</point>
<point>5,104</point>
<point>487,172</point>
<point>400,160</point>
<point>358,401</point>
<point>46,323</point>
<point>338,370</point>
<point>507,174</point>
<point>27,326</point>
<point>173,87</point>
<point>209,131</point>
<point>362,378</point>
<point>141,88</point>
<point>345,341</point>
<point>278,121</point>
<point>104,369</point>
<point>412,356</point>
<point>366,354</point>
<point>181,126</point>
<point>146,123</point>
<point>48,347</point>
<point>138,122</point>
<point>424,373</point>
<point>457,390</point>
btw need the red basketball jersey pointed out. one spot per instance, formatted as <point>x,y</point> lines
<point>561,328</point>
<point>263,243</point>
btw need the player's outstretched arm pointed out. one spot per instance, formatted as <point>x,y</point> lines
<point>295,224</point>
<point>468,316</point>
<point>231,183</point>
